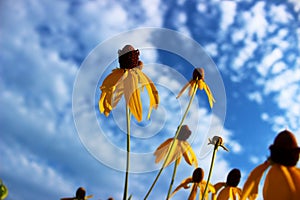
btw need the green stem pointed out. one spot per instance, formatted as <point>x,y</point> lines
<point>210,170</point>
<point>172,144</point>
<point>173,178</point>
<point>128,153</point>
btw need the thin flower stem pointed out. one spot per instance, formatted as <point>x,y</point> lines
<point>128,153</point>
<point>172,144</point>
<point>210,170</point>
<point>173,178</point>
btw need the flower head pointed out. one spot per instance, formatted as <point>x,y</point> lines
<point>80,195</point>
<point>283,178</point>
<point>197,182</point>
<point>229,189</point>
<point>127,80</point>
<point>181,148</point>
<point>198,82</point>
<point>217,142</point>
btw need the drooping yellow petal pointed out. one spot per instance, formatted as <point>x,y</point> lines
<point>184,184</point>
<point>225,194</point>
<point>162,150</point>
<point>280,184</point>
<point>200,84</point>
<point>112,79</point>
<point>237,192</point>
<point>250,189</point>
<point>151,89</point>
<point>132,95</point>
<point>210,97</point>
<point>183,89</point>
<point>188,154</point>
<point>210,189</point>
<point>193,84</point>
<point>219,185</point>
<point>174,153</point>
<point>295,174</point>
<point>193,192</point>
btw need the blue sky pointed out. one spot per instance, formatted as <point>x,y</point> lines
<point>254,45</point>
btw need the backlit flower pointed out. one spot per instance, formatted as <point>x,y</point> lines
<point>128,80</point>
<point>80,195</point>
<point>283,178</point>
<point>198,82</point>
<point>229,189</point>
<point>196,181</point>
<point>180,148</point>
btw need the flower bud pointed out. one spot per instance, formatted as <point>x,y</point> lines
<point>198,175</point>
<point>128,57</point>
<point>233,178</point>
<point>198,74</point>
<point>184,133</point>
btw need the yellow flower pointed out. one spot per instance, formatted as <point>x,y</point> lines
<point>80,195</point>
<point>283,178</point>
<point>197,182</point>
<point>181,148</point>
<point>198,82</point>
<point>229,190</point>
<point>127,80</point>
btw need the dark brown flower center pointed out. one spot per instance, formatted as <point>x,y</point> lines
<point>285,150</point>
<point>80,193</point>
<point>198,175</point>
<point>128,57</point>
<point>184,133</point>
<point>233,178</point>
<point>198,74</point>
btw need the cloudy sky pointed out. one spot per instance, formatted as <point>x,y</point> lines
<point>54,54</point>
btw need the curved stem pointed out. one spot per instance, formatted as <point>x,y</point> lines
<point>210,170</point>
<point>172,144</point>
<point>128,153</point>
<point>173,178</point>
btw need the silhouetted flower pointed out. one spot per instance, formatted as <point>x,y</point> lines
<point>181,148</point>
<point>197,182</point>
<point>229,189</point>
<point>80,195</point>
<point>283,178</point>
<point>127,80</point>
<point>198,82</point>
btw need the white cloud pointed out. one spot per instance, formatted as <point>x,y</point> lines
<point>228,12</point>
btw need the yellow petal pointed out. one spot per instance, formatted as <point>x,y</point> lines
<point>295,174</point>
<point>192,88</point>
<point>189,155</point>
<point>210,97</point>
<point>184,184</point>
<point>225,194</point>
<point>132,95</point>
<point>193,192</point>
<point>162,150</point>
<point>151,89</point>
<point>201,84</point>
<point>280,183</point>
<point>112,79</point>
<point>174,153</point>
<point>219,185</point>
<point>183,89</point>
<point>250,189</point>
<point>210,189</point>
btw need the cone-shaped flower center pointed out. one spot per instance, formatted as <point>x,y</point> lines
<point>285,150</point>
<point>184,133</point>
<point>198,74</point>
<point>198,175</point>
<point>128,57</point>
<point>80,193</point>
<point>233,178</point>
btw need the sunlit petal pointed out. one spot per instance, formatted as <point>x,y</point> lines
<point>250,189</point>
<point>193,192</point>
<point>162,150</point>
<point>210,97</point>
<point>112,79</point>
<point>184,184</point>
<point>183,89</point>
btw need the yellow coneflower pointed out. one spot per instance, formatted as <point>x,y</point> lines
<point>283,178</point>
<point>197,182</point>
<point>229,189</point>
<point>127,80</point>
<point>198,82</point>
<point>80,195</point>
<point>181,148</point>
